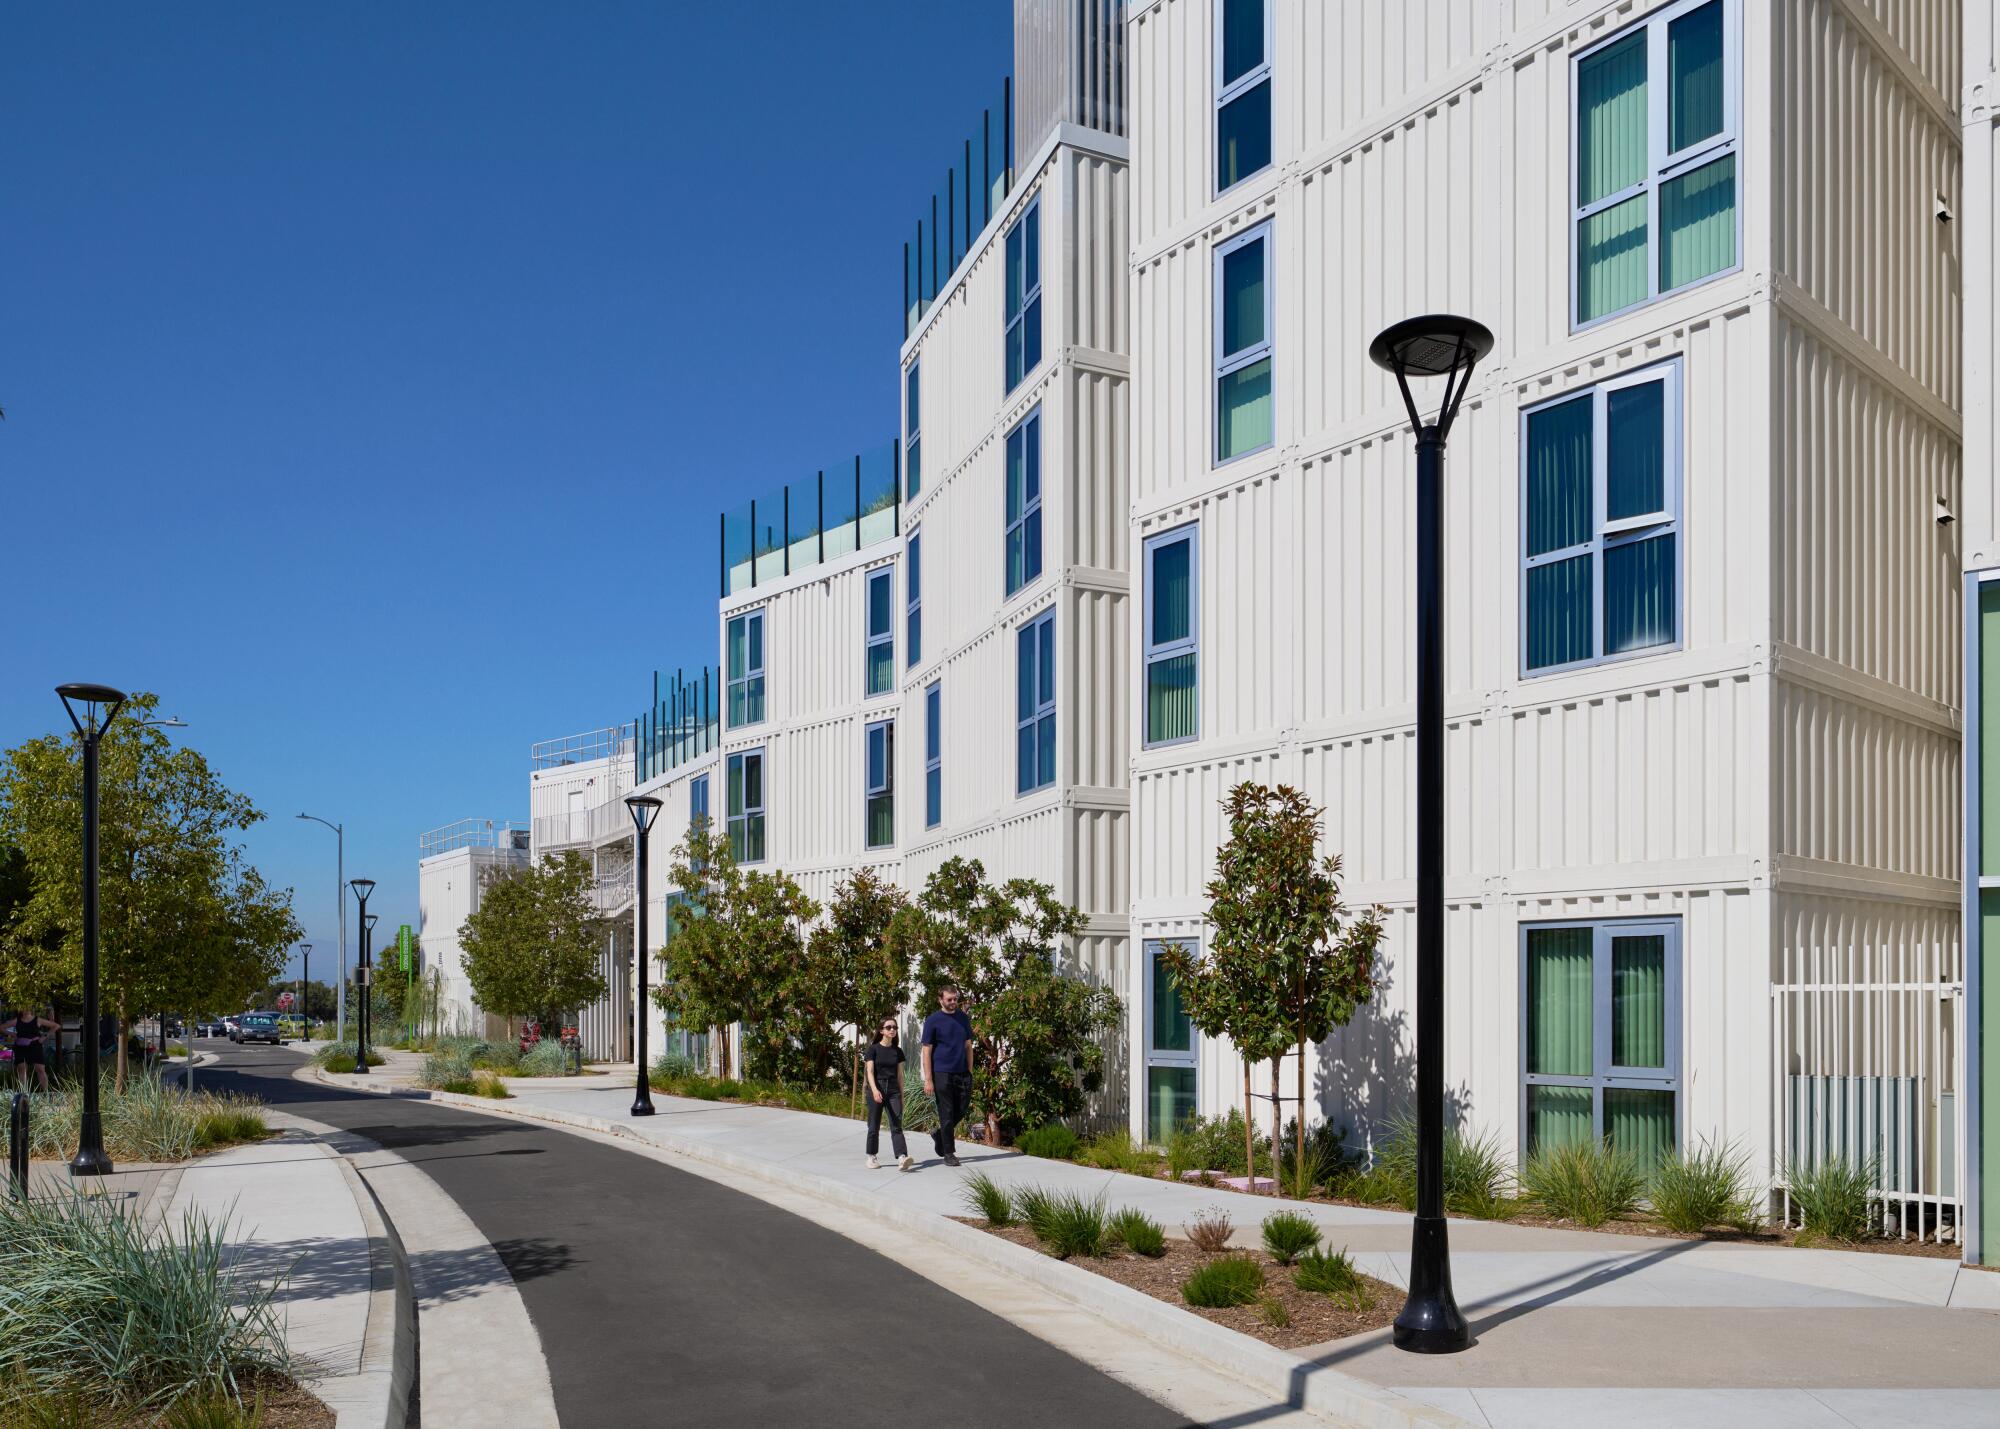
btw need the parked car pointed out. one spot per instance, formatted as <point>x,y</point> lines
<point>210,1027</point>
<point>230,1025</point>
<point>260,1027</point>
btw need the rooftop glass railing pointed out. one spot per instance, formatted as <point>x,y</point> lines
<point>841,508</point>
<point>684,722</point>
<point>974,189</point>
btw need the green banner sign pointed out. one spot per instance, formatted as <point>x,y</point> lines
<point>406,948</point>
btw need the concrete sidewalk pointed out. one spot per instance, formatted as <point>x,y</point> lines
<point>293,1210</point>
<point>1572,1326</point>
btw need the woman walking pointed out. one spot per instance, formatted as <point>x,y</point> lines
<point>28,1030</point>
<point>885,1093</point>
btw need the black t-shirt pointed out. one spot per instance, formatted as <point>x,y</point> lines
<point>887,1059</point>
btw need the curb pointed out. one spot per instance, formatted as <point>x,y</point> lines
<point>376,1394</point>
<point>1295,1380</point>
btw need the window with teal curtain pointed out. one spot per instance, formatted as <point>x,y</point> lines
<point>1639,1001</point>
<point>1600,1036</point>
<point>1560,1002</point>
<point>1024,502</point>
<point>880,755</point>
<point>1170,1101</point>
<point>1600,583</point>
<point>1640,1122</point>
<point>1243,410</point>
<point>746,806</point>
<point>1698,223</point>
<point>881,634</point>
<point>746,669</point>
<point>1559,520</point>
<point>1172,1031</point>
<point>1684,177</point>
<point>1171,656</point>
<point>1242,92</point>
<point>1989,749</point>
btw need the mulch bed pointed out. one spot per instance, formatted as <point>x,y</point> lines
<point>287,1405</point>
<point>1314,1318</point>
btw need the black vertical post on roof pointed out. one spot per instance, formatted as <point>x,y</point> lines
<point>722,555</point>
<point>985,167</point>
<point>787,508</point>
<point>753,543</point>
<point>951,219</point>
<point>820,524</point>
<point>906,290</point>
<point>968,195</point>
<point>1007,131</point>
<point>936,281</point>
<point>895,467</point>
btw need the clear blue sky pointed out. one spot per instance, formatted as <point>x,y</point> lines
<point>374,373</point>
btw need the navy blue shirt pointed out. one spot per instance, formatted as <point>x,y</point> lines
<point>946,1034</point>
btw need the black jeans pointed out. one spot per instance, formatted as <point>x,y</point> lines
<point>954,1100</point>
<point>892,1102</point>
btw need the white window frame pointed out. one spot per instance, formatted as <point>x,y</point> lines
<point>885,787</point>
<point>698,806</point>
<point>759,812</point>
<point>1043,629</point>
<point>1604,1075</point>
<point>1031,296</point>
<point>1661,167</point>
<point>913,599</point>
<point>1227,362</point>
<point>912,431</point>
<point>933,754</point>
<point>1028,506</point>
<point>750,672</point>
<point>1226,93</point>
<point>1172,649</point>
<point>875,638</point>
<point>1607,534</point>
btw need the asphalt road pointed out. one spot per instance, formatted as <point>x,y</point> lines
<point>665,1299</point>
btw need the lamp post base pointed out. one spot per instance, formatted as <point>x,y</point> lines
<point>1430,1323</point>
<point>91,1159</point>
<point>642,1105</point>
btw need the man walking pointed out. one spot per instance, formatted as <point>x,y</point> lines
<point>947,1053</point>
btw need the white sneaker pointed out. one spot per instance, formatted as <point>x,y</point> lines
<point>904,1163</point>
<point>873,1164</point>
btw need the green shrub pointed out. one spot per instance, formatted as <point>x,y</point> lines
<point>1587,1181</point>
<point>920,1111</point>
<point>1332,1273</point>
<point>546,1059</point>
<point>1709,1186</point>
<point>1055,1142</point>
<point>1212,1143</point>
<point>339,1057</point>
<point>989,1199</point>
<point>1475,1172</point>
<point>1067,1223</point>
<point>1834,1200</point>
<point>1209,1232</point>
<point>1224,1281</point>
<point>1326,1160</point>
<point>446,1071</point>
<point>101,1304</point>
<point>673,1066</point>
<point>1274,1313</point>
<point>1116,1151</point>
<point>42,1411</point>
<point>1141,1234</point>
<point>1289,1234</point>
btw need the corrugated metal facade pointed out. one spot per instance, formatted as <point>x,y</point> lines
<point>1797,747</point>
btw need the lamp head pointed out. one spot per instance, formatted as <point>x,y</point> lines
<point>91,696</point>
<point>306,948</point>
<point>372,919</point>
<point>362,887</point>
<point>1434,345</point>
<point>645,808</point>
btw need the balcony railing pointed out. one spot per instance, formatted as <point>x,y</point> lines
<point>581,748</point>
<point>472,833</point>
<point>684,723</point>
<point>976,186</point>
<point>844,507</point>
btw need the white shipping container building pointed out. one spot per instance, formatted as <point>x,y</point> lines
<point>454,864</point>
<point>1147,533</point>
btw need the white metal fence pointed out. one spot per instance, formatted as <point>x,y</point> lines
<point>1868,1058</point>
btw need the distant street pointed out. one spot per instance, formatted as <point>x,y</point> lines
<point>662,1298</point>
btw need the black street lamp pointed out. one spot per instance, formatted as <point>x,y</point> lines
<point>305,989</point>
<point>90,1158</point>
<point>362,888</point>
<point>1439,345</point>
<point>645,808</point>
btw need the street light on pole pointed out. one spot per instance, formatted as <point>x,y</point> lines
<point>1439,345</point>
<point>644,808</point>
<point>305,986</point>
<point>187,1027</point>
<point>362,888</point>
<point>90,1158</point>
<point>340,907</point>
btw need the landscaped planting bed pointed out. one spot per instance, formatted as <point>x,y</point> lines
<point>1312,1318</point>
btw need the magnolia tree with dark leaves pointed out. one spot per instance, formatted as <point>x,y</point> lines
<point>1037,1032</point>
<point>1287,962</point>
<point>737,952</point>
<point>531,950</point>
<point>859,977</point>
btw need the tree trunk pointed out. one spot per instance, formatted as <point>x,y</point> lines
<point>1249,1130</point>
<point>121,1041</point>
<point>1277,1123</point>
<point>1300,1175</point>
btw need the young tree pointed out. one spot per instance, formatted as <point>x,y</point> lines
<point>185,922</point>
<point>532,948</point>
<point>858,975</point>
<point>735,954</point>
<point>1286,960</point>
<point>1037,1049</point>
